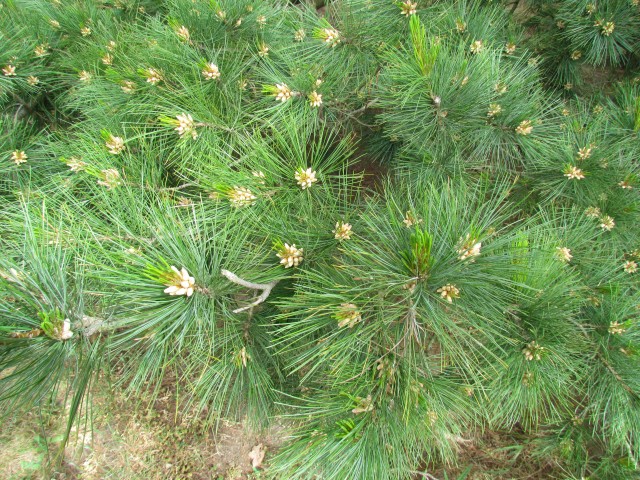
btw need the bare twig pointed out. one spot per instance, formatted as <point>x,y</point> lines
<point>17,114</point>
<point>179,187</point>
<point>265,287</point>
<point>362,109</point>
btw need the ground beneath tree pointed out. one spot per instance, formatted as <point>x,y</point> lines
<point>153,441</point>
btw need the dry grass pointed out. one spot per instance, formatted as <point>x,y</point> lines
<point>498,456</point>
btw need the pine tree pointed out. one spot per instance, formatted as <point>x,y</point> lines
<point>392,225</point>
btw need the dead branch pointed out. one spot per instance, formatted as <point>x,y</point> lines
<point>265,287</point>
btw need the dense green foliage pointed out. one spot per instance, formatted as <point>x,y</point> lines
<point>395,223</point>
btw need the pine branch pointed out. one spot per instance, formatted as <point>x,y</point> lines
<point>265,287</point>
<point>606,363</point>
<point>362,109</point>
<point>617,376</point>
<point>92,325</point>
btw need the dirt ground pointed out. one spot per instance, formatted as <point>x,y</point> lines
<point>131,440</point>
<point>127,444</point>
<point>153,445</point>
